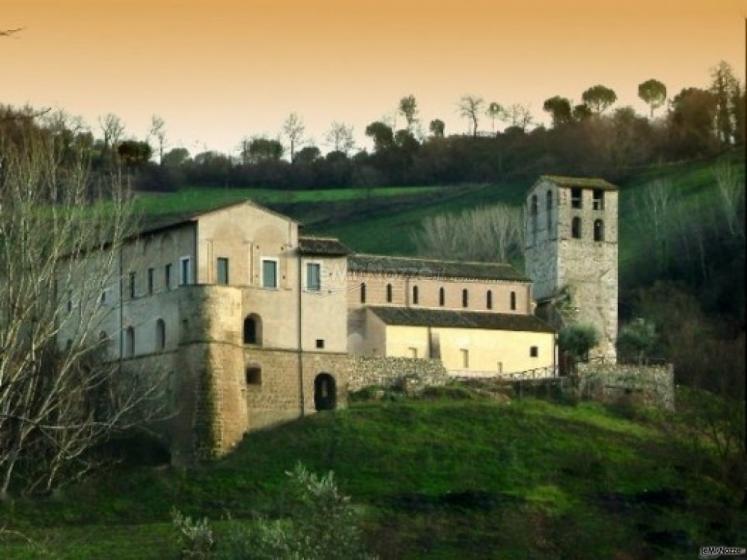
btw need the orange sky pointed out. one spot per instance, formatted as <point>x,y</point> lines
<point>217,70</point>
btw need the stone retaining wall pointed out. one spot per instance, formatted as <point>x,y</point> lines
<point>389,372</point>
<point>649,385</point>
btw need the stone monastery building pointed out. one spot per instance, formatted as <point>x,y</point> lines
<point>257,324</point>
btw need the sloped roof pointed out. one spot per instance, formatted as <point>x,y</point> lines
<point>417,317</point>
<point>590,182</point>
<point>432,268</point>
<point>322,246</point>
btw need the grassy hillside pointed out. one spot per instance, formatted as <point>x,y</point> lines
<point>438,478</point>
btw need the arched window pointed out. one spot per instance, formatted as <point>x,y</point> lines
<point>533,216</point>
<point>363,292</point>
<point>465,298</point>
<point>441,297</point>
<point>598,230</point>
<point>130,342</point>
<point>576,228</point>
<point>415,295</point>
<point>489,299</point>
<point>325,392</point>
<point>513,301</point>
<point>549,211</point>
<point>254,375</point>
<point>160,334</point>
<point>389,293</point>
<point>253,329</point>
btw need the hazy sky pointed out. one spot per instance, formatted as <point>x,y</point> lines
<point>218,70</point>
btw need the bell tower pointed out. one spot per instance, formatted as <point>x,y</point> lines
<point>571,254</point>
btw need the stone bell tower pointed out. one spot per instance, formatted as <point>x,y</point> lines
<point>571,254</point>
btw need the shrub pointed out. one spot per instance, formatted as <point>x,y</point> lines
<point>637,340</point>
<point>195,537</point>
<point>577,340</point>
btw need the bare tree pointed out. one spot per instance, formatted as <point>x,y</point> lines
<point>158,130</point>
<point>654,207</point>
<point>470,107</point>
<point>731,196</point>
<point>518,115</point>
<point>408,107</point>
<point>491,233</point>
<point>340,137</point>
<point>112,128</point>
<point>60,240</point>
<point>293,128</point>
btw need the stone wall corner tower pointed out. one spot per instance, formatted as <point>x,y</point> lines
<point>571,254</point>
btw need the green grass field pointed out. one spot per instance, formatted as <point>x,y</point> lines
<point>441,478</point>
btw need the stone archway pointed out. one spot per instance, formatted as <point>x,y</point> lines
<point>325,392</point>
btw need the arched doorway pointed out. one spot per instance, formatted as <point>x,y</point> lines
<point>325,392</point>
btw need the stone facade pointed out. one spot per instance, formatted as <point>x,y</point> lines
<point>389,372</point>
<point>582,262</point>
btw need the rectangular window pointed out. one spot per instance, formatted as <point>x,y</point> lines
<point>576,198</point>
<point>320,343</point>
<point>185,271</point>
<point>150,280</point>
<point>222,270</point>
<point>313,277</point>
<point>465,358</point>
<point>598,199</point>
<point>132,285</point>
<point>269,273</point>
<point>167,276</point>
<point>533,351</point>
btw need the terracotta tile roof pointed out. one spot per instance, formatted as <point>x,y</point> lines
<point>417,317</point>
<point>591,182</point>
<point>322,246</point>
<point>432,268</point>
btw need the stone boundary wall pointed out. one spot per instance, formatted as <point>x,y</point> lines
<point>650,385</point>
<point>388,372</point>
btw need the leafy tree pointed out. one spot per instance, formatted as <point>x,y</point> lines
<point>494,111</point>
<point>437,128</point>
<point>598,98</point>
<point>134,153</point>
<point>293,129</point>
<point>263,149</point>
<point>691,123</point>
<point>382,135</point>
<point>175,157</point>
<point>576,340</point>
<point>158,130</point>
<point>581,112</point>
<point>470,107</point>
<point>560,110</point>
<point>408,107</point>
<point>653,93</point>
<point>722,88</point>
<point>307,155</point>
<point>637,339</point>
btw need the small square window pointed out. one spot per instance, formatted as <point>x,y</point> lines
<point>253,376</point>
<point>320,343</point>
<point>576,200</point>
<point>533,351</point>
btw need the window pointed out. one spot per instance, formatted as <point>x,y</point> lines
<point>389,293</point>
<point>320,343</point>
<point>69,302</point>
<point>313,277</point>
<point>533,208</point>
<point>413,352</point>
<point>489,299</point>
<point>269,273</point>
<point>130,342</point>
<point>598,230</point>
<point>131,285</point>
<point>533,351</point>
<point>253,329</point>
<point>576,198</point>
<point>576,228</point>
<point>441,297</point>
<point>415,295</point>
<point>363,292</point>
<point>465,298</point>
<point>185,271</point>
<point>150,281</point>
<point>549,211</point>
<point>598,202</point>
<point>167,276</point>
<point>465,358</point>
<point>254,375</point>
<point>160,334</point>
<point>222,267</point>
<point>513,301</point>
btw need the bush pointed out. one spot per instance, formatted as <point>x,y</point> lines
<point>577,340</point>
<point>195,537</point>
<point>637,340</point>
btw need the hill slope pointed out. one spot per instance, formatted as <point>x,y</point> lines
<point>439,479</point>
